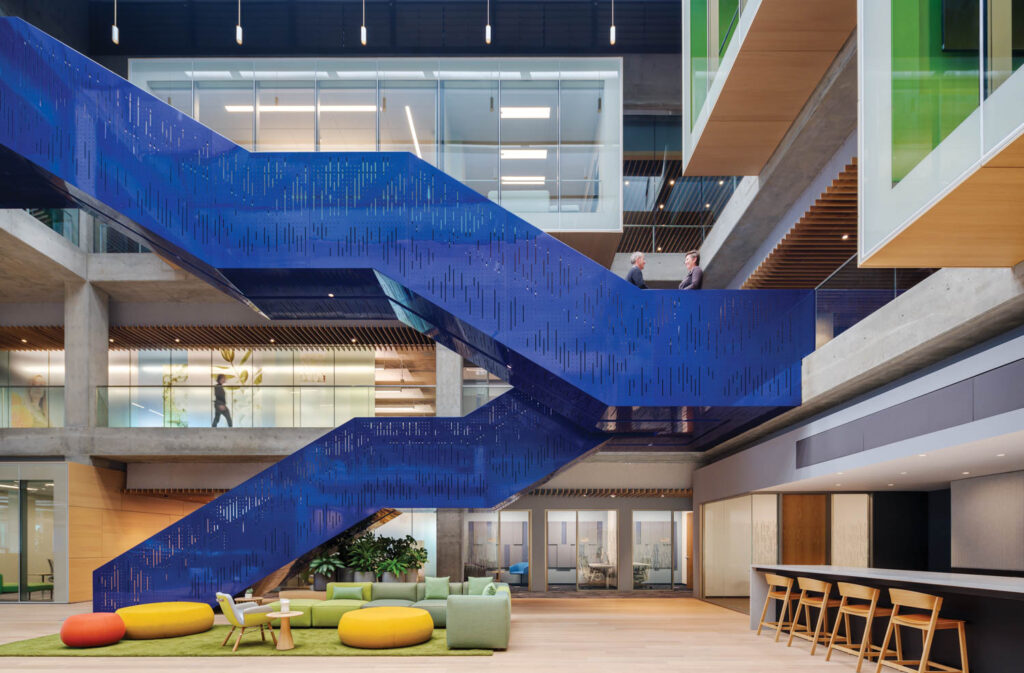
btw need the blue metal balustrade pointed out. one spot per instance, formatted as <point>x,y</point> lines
<point>284,232</point>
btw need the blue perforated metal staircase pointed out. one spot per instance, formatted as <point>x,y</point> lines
<point>586,351</point>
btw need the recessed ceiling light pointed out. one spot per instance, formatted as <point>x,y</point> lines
<point>721,182</point>
<point>1000,455</point>
<point>613,495</point>
<point>659,248</point>
<point>707,205</point>
<point>354,340</point>
<point>24,341</point>
<point>892,484</point>
<point>922,455</point>
<point>271,340</point>
<point>671,183</point>
<point>838,484</point>
<point>838,472</point>
<point>110,340</point>
<point>965,473</point>
<point>331,295</point>
<point>627,182</point>
<point>662,495</point>
<point>846,237</point>
<point>661,206</point>
<point>902,472</point>
<point>177,340</point>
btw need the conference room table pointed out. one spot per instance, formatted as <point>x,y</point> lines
<point>992,605</point>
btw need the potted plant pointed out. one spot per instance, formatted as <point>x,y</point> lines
<point>345,573</point>
<point>323,568</point>
<point>364,555</point>
<point>415,558</point>
<point>392,569</point>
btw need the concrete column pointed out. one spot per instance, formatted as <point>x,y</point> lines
<point>86,334</point>
<point>449,383</point>
<point>449,543</point>
<point>86,223</point>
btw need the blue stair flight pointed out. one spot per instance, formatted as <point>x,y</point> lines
<point>588,353</point>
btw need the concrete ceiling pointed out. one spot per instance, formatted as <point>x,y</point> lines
<point>924,472</point>
<point>27,275</point>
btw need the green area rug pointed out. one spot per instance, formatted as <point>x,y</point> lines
<point>308,643</point>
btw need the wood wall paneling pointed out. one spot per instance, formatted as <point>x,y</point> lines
<point>804,529</point>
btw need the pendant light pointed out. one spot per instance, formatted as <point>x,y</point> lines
<point>487,28</point>
<point>362,26</point>
<point>238,26</point>
<point>115,34</point>
<point>611,33</point>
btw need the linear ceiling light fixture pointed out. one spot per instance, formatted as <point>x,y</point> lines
<point>525,112</point>
<point>412,130</point>
<point>238,26</point>
<point>115,34</point>
<point>362,26</point>
<point>524,154</point>
<point>487,28</point>
<point>522,179</point>
<point>611,33</point>
<point>301,108</point>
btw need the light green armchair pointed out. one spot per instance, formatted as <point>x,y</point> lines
<point>244,616</point>
<point>479,621</point>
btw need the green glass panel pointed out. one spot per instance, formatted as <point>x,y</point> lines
<point>1005,43</point>
<point>935,79</point>
<point>728,19</point>
<point>698,57</point>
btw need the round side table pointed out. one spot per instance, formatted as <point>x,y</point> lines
<point>284,636</point>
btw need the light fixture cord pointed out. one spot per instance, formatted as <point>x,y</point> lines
<point>613,12</point>
<point>488,12</point>
<point>364,12</point>
<point>239,12</point>
<point>115,12</point>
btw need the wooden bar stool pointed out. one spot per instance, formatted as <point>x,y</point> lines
<point>928,623</point>
<point>808,601</point>
<point>869,612</point>
<point>780,589</point>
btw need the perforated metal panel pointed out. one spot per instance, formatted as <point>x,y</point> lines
<point>283,231</point>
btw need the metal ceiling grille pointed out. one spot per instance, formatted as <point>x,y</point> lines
<point>614,492</point>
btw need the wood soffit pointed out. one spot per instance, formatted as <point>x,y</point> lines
<point>814,247</point>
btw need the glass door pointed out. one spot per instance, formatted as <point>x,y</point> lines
<point>10,541</point>
<point>561,554</point>
<point>514,548</point>
<point>37,541</point>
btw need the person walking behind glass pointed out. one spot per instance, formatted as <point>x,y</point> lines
<point>695,278</point>
<point>220,404</point>
<point>636,274</point>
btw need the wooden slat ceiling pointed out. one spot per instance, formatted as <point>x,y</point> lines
<point>251,336</point>
<point>815,246</point>
<point>614,492</point>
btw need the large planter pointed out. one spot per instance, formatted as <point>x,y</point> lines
<point>390,577</point>
<point>364,576</point>
<point>346,575</point>
<point>319,582</point>
<point>412,576</point>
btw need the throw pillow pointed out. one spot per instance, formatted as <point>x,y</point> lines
<point>347,594</point>
<point>491,589</point>
<point>477,584</point>
<point>435,588</point>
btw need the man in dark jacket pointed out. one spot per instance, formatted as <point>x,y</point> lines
<point>636,274</point>
<point>220,402</point>
<point>695,278</point>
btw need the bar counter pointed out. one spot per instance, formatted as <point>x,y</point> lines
<point>993,607</point>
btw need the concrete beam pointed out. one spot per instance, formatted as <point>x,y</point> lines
<point>756,207</point>
<point>144,277</point>
<point>449,382</point>
<point>35,261</point>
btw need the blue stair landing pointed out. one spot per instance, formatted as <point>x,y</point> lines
<point>282,231</point>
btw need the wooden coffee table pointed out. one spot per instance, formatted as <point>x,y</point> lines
<point>284,635</point>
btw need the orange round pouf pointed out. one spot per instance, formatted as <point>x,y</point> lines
<point>92,629</point>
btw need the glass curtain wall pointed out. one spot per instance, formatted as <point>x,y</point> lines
<point>542,137</point>
<point>497,544</point>
<point>582,549</point>
<point>422,526</point>
<point>31,389</point>
<point>660,552</point>
<point>26,540</point>
<point>266,388</point>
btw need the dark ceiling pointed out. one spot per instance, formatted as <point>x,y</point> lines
<point>395,27</point>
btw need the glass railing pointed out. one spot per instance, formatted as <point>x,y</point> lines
<point>31,406</point>
<point>107,238</point>
<point>172,406</point>
<point>851,294</point>
<point>62,220</point>
<point>476,395</point>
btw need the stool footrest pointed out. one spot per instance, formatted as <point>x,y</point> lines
<point>913,666</point>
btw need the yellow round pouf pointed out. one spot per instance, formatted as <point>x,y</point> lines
<point>378,628</point>
<point>166,620</point>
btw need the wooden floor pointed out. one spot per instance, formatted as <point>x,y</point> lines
<point>612,635</point>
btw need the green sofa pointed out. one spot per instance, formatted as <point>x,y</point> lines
<point>477,621</point>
